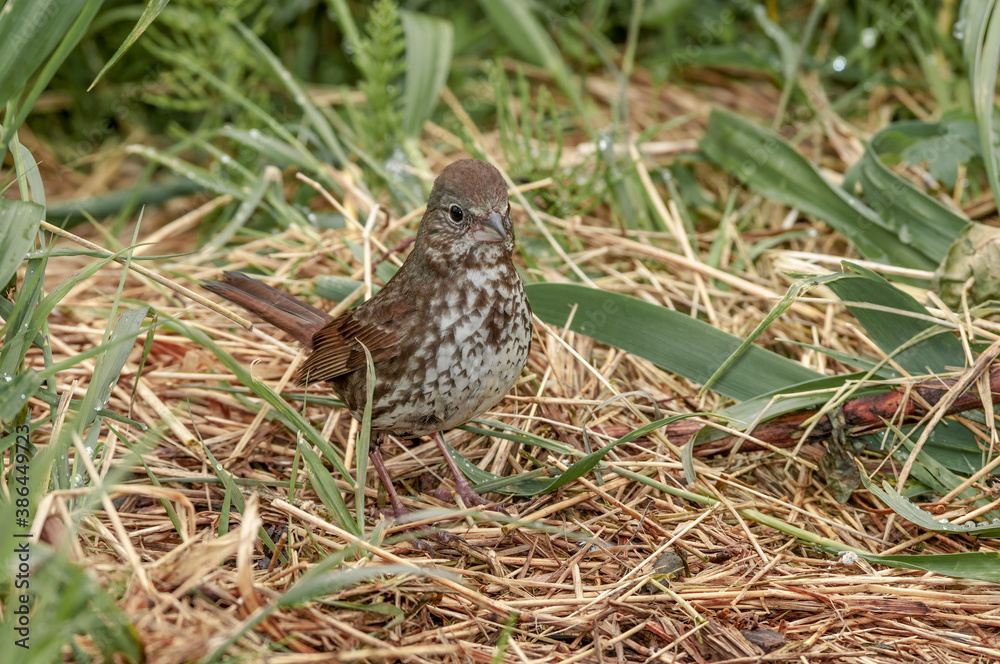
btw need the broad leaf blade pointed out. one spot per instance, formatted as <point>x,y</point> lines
<point>671,340</point>
<point>981,49</point>
<point>766,163</point>
<point>891,330</point>
<point>429,43</point>
<point>917,219</point>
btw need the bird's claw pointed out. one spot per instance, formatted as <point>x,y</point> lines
<point>472,499</point>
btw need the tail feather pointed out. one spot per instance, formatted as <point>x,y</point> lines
<point>285,312</point>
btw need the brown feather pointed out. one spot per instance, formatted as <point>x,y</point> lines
<point>299,319</point>
<point>338,348</point>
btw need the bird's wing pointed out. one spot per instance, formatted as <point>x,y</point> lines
<point>337,345</point>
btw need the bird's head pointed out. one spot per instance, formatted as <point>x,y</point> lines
<point>467,222</point>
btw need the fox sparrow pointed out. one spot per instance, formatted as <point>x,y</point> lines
<point>449,334</point>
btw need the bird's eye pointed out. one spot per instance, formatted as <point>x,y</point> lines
<point>456,213</point>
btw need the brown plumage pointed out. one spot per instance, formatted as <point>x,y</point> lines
<point>449,334</point>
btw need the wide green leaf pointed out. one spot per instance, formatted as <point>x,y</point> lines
<point>981,48</point>
<point>898,322</point>
<point>918,220</point>
<point>769,165</point>
<point>979,565</point>
<point>429,43</point>
<point>674,341</point>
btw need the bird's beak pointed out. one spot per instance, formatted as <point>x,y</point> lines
<point>490,229</point>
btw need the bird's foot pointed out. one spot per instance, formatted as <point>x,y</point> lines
<point>470,498</point>
<point>442,537</point>
<point>418,543</point>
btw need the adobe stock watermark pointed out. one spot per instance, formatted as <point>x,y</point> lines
<point>20,489</point>
<point>596,318</point>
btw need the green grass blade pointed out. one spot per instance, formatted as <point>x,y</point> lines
<point>291,418</point>
<point>252,200</point>
<point>312,114</point>
<point>234,493</point>
<point>68,602</point>
<point>149,15</point>
<point>527,484</point>
<point>526,35</point>
<point>108,366</point>
<point>773,315</point>
<point>14,394</point>
<point>327,490</point>
<point>18,228</point>
<point>68,39</point>
<point>27,169</point>
<point>363,442</point>
<point>202,177</point>
<point>29,315</point>
<point>429,43</point>
<point>29,31</point>
<point>980,565</point>
<point>919,517</point>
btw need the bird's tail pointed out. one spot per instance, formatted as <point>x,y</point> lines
<point>285,312</point>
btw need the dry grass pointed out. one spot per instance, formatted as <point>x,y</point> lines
<point>188,591</point>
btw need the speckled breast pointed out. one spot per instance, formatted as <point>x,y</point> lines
<point>482,340</point>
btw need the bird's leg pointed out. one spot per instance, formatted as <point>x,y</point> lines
<point>462,486</point>
<point>398,509</point>
<point>383,475</point>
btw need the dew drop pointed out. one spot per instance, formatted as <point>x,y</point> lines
<point>868,37</point>
<point>839,63</point>
<point>254,134</point>
<point>604,142</point>
<point>226,159</point>
<point>958,30</point>
<point>904,235</point>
